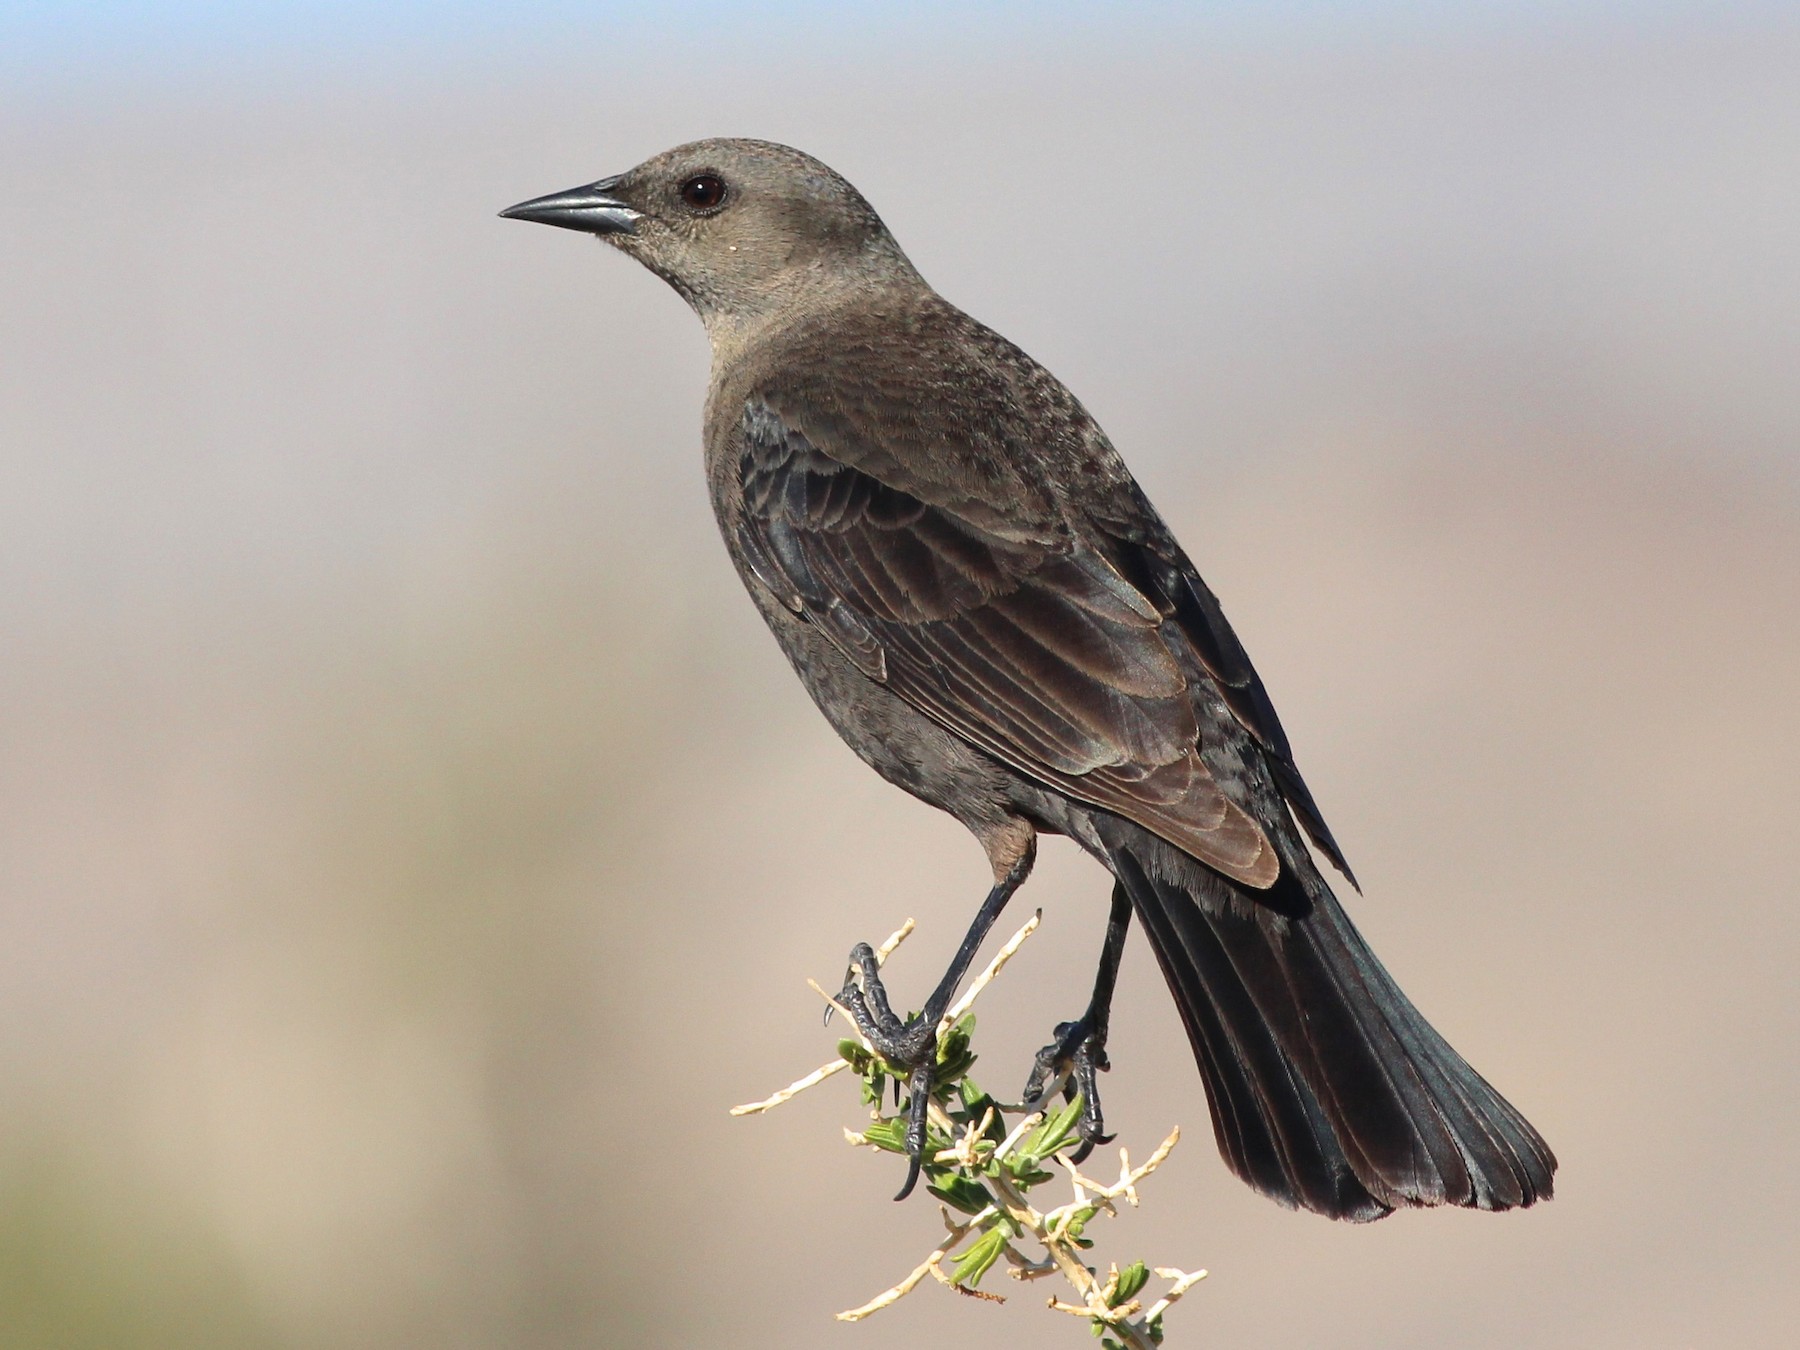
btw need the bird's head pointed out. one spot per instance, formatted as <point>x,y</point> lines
<point>741,228</point>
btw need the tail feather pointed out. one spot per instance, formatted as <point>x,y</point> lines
<point>1329,1091</point>
<point>1271,1127</point>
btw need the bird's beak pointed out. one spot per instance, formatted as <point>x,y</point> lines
<point>592,209</point>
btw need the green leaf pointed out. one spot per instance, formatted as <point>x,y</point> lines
<point>889,1134</point>
<point>959,1192</point>
<point>979,1259</point>
<point>1060,1128</point>
<point>954,1058</point>
<point>1131,1279</point>
<point>1052,1134</point>
<point>871,1068</point>
<point>975,1104</point>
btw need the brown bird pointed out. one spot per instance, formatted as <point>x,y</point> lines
<point>986,607</point>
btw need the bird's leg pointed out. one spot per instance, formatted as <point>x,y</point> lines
<point>911,1045</point>
<point>1079,1050</point>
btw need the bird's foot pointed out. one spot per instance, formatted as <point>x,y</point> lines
<point>1075,1057</point>
<point>909,1045</point>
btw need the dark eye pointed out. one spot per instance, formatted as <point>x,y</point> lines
<point>703,191</point>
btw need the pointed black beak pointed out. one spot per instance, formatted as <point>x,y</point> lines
<point>592,209</point>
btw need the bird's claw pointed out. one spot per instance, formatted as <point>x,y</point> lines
<point>909,1044</point>
<point>1075,1057</point>
<point>919,1086</point>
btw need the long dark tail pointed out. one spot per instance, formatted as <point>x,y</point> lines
<point>1328,1090</point>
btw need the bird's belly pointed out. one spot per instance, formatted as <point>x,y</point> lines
<point>892,737</point>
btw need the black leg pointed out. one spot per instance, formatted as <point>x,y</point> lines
<point>1079,1050</point>
<point>912,1045</point>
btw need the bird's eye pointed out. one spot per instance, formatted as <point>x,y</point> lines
<point>703,191</point>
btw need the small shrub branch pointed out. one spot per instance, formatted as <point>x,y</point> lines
<point>984,1160</point>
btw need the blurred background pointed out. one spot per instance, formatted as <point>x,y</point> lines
<point>411,843</point>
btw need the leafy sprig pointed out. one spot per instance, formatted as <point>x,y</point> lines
<point>983,1166</point>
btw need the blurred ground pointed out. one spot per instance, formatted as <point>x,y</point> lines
<point>410,843</point>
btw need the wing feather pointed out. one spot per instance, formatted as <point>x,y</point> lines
<point>1029,644</point>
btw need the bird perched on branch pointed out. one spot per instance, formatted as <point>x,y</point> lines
<point>983,603</point>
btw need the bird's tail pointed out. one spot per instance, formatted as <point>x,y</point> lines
<point>1328,1089</point>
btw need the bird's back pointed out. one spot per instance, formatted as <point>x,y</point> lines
<point>1168,722</point>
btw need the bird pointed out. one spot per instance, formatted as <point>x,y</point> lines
<point>987,608</point>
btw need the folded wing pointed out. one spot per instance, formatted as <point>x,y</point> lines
<point>1027,643</point>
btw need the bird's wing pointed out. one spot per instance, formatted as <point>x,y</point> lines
<point>1147,554</point>
<point>1026,642</point>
